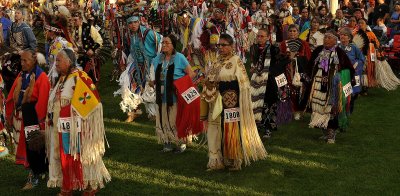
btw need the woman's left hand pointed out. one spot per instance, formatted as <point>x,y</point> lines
<point>190,72</point>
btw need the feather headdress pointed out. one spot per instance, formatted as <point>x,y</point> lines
<point>57,22</point>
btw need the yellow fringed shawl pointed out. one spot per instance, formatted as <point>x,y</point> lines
<point>88,140</point>
<point>253,148</point>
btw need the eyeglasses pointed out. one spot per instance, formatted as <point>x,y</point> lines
<point>165,43</point>
<point>220,45</point>
<point>293,31</point>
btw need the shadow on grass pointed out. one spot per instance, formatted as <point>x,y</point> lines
<point>138,152</point>
<point>13,177</point>
<point>157,181</point>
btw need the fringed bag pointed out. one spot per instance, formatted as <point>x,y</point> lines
<point>296,78</point>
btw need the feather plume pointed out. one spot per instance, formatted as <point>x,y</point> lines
<point>358,41</point>
<point>361,41</point>
<point>40,58</point>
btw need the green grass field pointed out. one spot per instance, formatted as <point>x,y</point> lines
<point>364,161</point>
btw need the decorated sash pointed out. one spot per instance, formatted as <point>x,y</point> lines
<point>344,102</point>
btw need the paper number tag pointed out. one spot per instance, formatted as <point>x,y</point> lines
<point>347,89</point>
<point>231,115</point>
<point>31,128</point>
<point>190,95</point>
<point>65,124</point>
<point>358,81</point>
<point>372,57</point>
<point>355,65</point>
<point>281,80</point>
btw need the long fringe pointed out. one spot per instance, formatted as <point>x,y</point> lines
<point>319,120</point>
<point>385,76</point>
<point>231,138</point>
<point>253,148</point>
<point>166,132</point>
<point>53,152</point>
<point>89,143</point>
<point>319,103</point>
<point>130,101</point>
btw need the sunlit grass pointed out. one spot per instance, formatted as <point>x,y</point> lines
<point>169,180</point>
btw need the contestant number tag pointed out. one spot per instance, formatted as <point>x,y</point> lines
<point>232,115</point>
<point>31,128</point>
<point>373,57</point>
<point>66,124</point>
<point>355,65</point>
<point>281,80</point>
<point>347,89</point>
<point>190,95</point>
<point>358,81</point>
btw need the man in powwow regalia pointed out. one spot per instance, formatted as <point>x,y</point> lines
<point>26,109</point>
<point>87,40</point>
<point>144,44</point>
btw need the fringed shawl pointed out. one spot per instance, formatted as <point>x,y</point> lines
<point>88,140</point>
<point>253,148</point>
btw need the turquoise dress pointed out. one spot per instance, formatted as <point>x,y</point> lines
<point>180,62</point>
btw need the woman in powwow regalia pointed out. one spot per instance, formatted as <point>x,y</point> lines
<point>378,71</point>
<point>232,132</point>
<point>357,60</point>
<point>75,135</point>
<point>332,74</point>
<point>299,52</point>
<point>178,114</point>
<point>263,55</point>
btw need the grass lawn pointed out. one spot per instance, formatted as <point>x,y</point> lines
<point>364,161</point>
